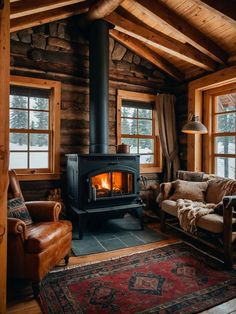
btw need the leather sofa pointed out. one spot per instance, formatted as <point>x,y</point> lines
<point>216,229</point>
<point>33,250</point>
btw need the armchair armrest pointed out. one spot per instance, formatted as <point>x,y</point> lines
<point>16,226</point>
<point>44,210</point>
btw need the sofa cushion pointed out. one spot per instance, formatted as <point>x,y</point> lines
<point>218,188</point>
<point>210,222</point>
<point>169,207</point>
<point>17,209</point>
<point>190,175</point>
<point>43,235</point>
<point>194,191</point>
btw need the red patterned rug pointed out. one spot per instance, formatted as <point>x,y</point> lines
<point>172,279</point>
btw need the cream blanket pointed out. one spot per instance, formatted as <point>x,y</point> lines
<point>189,212</point>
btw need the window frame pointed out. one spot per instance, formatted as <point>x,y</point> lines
<point>195,161</point>
<point>210,116</point>
<point>53,172</point>
<point>142,97</point>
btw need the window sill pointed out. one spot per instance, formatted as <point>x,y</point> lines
<point>151,169</point>
<point>38,176</point>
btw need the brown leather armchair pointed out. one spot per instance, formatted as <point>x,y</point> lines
<point>33,250</point>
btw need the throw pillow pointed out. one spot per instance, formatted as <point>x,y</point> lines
<point>194,191</point>
<point>17,209</point>
<point>218,188</point>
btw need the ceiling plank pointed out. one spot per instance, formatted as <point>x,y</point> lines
<point>225,7</point>
<point>49,16</point>
<point>186,29</point>
<point>159,40</point>
<point>28,7</point>
<point>140,49</point>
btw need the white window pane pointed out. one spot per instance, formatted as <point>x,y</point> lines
<point>147,159</point>
<point>18,119</point>
<point>129,112</point>
<point>225,145</point>
<point>145,127</point>
<point>18,141</point>
<point>18,101</point>
<point>39,103</point>
<point>128,126</point>
<point>38,160</point>
<point>132,142</point>
<point>145,113</point>
<point>38,142</point>
<point>226,102</point>
<point>38,120</point>
<point>18,160</point>
<point>226,122</point>
<point>146,146</point>
<point>225,167</point>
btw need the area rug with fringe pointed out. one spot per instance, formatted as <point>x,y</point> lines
<point>175,278</point>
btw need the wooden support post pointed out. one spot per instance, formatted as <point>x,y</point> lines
<point>4,142</point>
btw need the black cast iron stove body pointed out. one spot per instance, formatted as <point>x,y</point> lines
<point>103,184</point>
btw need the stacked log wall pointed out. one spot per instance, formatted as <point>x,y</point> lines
<point>59,51</point>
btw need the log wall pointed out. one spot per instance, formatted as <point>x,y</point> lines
<point>59,51</point>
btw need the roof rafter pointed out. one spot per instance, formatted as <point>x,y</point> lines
<point>159,40</point>
<point>227,8</point>
<point>49,16</point>
<point>137,46</point>
<point>27,7</point>
<point>99,10</point>
<point>196,37</point>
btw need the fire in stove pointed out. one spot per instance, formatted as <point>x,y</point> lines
<point>112,184</point>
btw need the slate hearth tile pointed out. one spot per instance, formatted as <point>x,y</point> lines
<point>131,240</point>
<point>113,244</point>
<point>86,248</point>
<point>104,236</point>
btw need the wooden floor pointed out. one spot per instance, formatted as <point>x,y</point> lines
<point>20,298</point>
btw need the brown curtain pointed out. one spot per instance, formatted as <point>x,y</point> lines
<point>167,132</point>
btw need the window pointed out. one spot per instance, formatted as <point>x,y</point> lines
<point>137,127</point>
<point>34,128</point>
<point>221,104</point>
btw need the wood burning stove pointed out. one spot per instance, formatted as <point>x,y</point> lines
<point>103,183</point>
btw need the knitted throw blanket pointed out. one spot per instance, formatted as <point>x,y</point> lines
<point>189,212</point>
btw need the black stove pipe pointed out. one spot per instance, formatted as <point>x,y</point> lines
<point>99,86</point>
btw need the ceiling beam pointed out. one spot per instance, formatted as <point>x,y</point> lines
<point>225,7</point>
<point>99,10</point>
<point>183,27</point>
<point>28,7</point>
<point>159,40</point>
<point>49,16</point>
<point>140,49</point>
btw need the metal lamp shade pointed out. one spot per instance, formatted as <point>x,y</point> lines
<point>194,126</point>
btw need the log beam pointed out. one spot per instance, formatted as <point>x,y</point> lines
<point>140,49</point>
<point>160,10</point>
<point>28,7</point>
<point>159,40</point>
<point>99,10</point>
<point>4,143</point>
<point>49,16</point>
<point>227,8</point>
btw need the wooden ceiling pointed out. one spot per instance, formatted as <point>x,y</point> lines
<point>184,38</point>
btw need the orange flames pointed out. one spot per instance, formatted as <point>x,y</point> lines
<point>103,181</point>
